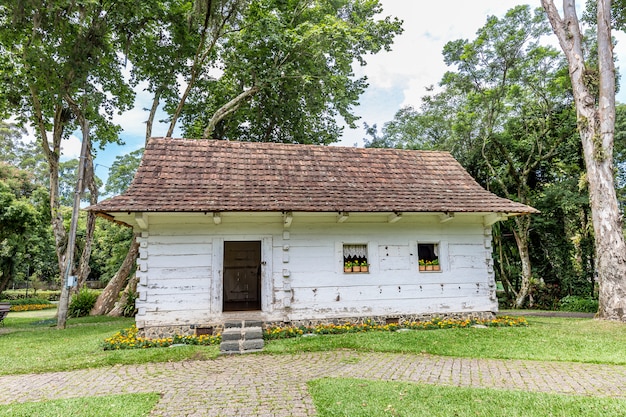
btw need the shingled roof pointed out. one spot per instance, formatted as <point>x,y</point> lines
<point>184,175</point>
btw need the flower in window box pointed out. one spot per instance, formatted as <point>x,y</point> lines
<point>347,266</point>
<point>436,266</point>
<point>364,266</point>
<point>429,265</point>
<point>422,264</point>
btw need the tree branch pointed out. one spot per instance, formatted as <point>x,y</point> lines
<point>227,109</point>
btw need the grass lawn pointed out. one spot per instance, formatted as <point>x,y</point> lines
<point>359,398</point>
<point>545,339</point>
<point>127,405</point>
<point>30,344</point>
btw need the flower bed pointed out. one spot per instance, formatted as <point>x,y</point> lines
<point>277,332</point>
<point>31,307</point>
<point>128,339</point>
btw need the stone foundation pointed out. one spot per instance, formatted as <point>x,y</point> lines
<point>401,318</point>
<point>158,332</point>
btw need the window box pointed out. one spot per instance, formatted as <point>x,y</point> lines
<point>355,258</point>
<point>428,260</point>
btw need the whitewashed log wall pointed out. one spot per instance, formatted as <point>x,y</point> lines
<point>181,256</point>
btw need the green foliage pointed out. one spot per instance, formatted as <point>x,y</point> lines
<point>26,301</point>
<point>363,398</point>
<point>122,172</point>
<point>579,304</point>
<point>15,295</point>
<point>110,246</point>
<point>129,309</point>
<point>25,238</point>
<point>82,302</point>
<point>504,110</point>
<point>302,74</point>
<point>65,57</point>
<point>68,171</point>
<point>409,129</point>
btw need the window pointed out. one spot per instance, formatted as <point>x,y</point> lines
<point>355,258</point>
<point>428,256</point>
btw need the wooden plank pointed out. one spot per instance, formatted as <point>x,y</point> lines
<point>173,302</point>
<point>427,306</point>
<point>394,257</point>
<point>187,286</point>
<point>160,273</point>
<point>180,249</point>
<point>386,294</point>
<point>186,261</point>
<point>181,239</point>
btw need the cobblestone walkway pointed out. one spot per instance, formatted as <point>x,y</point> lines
<point>268,385</point>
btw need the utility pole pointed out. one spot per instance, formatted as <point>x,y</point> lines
<point>69,280</point>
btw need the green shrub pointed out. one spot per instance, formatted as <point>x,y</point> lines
<point>578,304</point>
<point>26,301</point>
<point>48,295</point>
<point>82,303</point>
<point>129,308</point>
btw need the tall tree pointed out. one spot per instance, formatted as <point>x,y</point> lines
<point>501,104</point>
<point>65,69</point>
<point>180,42</point>
<point>291,85</point>
<point>594,95</point>
<point>20,221</point>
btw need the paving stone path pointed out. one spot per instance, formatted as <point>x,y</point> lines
<point>275,385</point>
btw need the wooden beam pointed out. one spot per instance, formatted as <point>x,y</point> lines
<point>342,216</point>
<point>287,219</point>
<point>217,218</point>
<point>446,217</point>
<point>394,217</point>
<point>492,218</point>
<point>142,220</point>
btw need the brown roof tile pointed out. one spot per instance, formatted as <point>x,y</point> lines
<point>205,175</point>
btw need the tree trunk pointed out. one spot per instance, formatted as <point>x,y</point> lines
<point>106,300</point>
<point>5,277</point>
<point>509,289</point>
<point>131,288</point>
<point>596,124</point>
<point>521,238</point>
<point>153,109</point>
<point>83,266</point>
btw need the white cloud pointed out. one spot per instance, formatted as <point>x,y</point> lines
<point>416,61</point>
<point>70,148</point>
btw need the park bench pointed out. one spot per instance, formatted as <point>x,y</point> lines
<point>4,310</point>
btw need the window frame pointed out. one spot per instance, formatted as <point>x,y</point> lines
<point>367,259</point>
<point>426,266</point>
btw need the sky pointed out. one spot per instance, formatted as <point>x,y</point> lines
<point>397,78</point>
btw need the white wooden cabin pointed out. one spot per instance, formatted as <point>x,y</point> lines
<point>263,231</point>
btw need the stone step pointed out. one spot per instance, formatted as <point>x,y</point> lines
<point>242,323</point>
<point>242,336</point>
<point>244,333</point>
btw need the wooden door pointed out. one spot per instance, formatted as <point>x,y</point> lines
<point>242,275</point>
